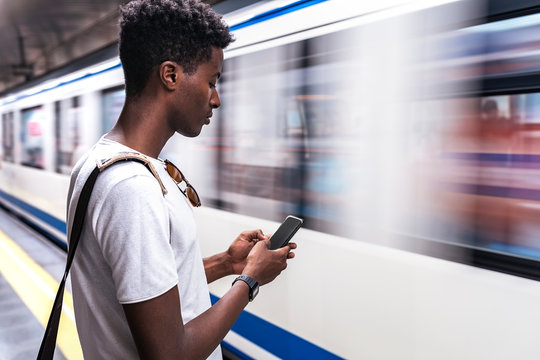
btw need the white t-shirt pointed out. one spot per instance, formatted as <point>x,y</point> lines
<point>136,244</point>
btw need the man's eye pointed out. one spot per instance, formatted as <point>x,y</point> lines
<point>212,85</point>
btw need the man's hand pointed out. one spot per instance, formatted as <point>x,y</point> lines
<point>264,265</point>
<point>235,259</point>
<point>240,248</point>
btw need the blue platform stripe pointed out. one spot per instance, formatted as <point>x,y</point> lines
<point>34,211</point>
<point>276,340</point>
<point>276,13</point>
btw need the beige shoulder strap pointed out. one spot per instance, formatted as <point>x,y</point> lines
<point>132,156</point>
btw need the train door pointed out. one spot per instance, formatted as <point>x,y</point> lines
<point>8,137</point>
<point>67,114</point>
<point>32,123</point>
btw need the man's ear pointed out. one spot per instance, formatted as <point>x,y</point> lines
<point>169,74</point>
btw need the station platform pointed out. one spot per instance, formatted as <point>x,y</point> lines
<point>30,270</point>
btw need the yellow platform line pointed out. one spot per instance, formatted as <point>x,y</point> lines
<point>37,289</point>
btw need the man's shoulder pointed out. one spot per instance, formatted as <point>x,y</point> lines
<point>114,174</point>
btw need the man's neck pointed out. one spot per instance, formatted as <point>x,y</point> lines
<point>141,126</point>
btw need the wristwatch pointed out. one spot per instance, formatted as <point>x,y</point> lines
<point>252,283</point>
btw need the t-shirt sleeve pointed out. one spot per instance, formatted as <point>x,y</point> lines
<point>132,228</point>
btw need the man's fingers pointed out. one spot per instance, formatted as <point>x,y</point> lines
<point>284,250</point>
<point>264,243</point>
<point>253,235</point>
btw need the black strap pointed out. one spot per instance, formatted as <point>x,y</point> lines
<point>48,344</point>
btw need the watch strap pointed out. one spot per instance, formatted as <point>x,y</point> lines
<point>252,283</point>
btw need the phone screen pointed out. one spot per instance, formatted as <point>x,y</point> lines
<point>285,232</point>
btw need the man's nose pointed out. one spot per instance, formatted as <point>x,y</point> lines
<point>215,101</point>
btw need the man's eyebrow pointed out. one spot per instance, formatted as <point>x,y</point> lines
<point>218,74</point>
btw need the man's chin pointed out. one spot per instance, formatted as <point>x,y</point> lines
<point>191,133</point>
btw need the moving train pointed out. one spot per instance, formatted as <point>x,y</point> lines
<point>405,133</point>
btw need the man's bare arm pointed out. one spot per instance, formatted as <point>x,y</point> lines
<point>217,266</point>
<point>157,327</point>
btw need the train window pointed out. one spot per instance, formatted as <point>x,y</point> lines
<point>7,137</point>
<point>531,104</point>
<point>474,190</point>
<point>486,173</point>
<point>505,48</point>
<point>32,137</point>
<point>319,118</point>
<point>68,134</point>
<point>112,103</point>
<point>294,158</point>
<point>515,38</point>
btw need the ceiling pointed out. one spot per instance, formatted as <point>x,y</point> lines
<point>37,36</point>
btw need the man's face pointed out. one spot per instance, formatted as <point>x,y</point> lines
<point>197,96</point>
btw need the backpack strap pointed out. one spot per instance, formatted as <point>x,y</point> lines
<point>48,344</point>
<point>132,156</point>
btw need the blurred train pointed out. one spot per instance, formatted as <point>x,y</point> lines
<point>405,133</point>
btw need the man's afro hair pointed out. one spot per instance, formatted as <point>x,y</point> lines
<point>154,31</point>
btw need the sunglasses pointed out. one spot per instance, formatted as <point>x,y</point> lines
<point>189,192</point>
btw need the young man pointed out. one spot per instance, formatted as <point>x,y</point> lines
<point>139,282</point>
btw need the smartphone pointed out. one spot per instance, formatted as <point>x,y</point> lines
<point>285,232</point>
